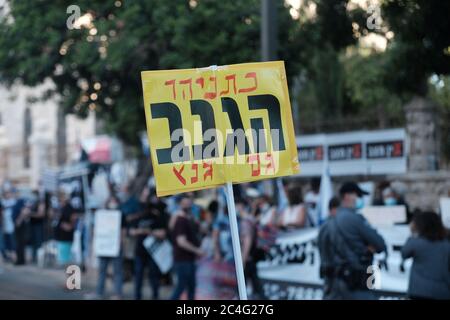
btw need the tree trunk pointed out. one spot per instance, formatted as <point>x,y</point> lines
<point>381,113</point>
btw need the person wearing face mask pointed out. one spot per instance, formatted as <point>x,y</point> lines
<point>389,198</point>
<point>346,244</point>
<point>112,203</point>
<point>153,222</point>
<point>185,250</point>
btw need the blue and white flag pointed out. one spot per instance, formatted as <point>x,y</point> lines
<point>326,193</point>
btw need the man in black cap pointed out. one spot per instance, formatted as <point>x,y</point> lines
<point>346,244</point>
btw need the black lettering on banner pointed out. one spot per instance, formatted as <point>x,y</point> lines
<point>272,105</point>
<point>205,111</point>
<point>386,150</point>
<point>312,153</point>
<point>171,112</point>
<point>231,108</point>
<point>345,152</point>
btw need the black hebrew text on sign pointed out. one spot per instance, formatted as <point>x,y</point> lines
<point>202,108</point>
<point>345,152</point>
<point>385,150</point>
<point>313,153</point>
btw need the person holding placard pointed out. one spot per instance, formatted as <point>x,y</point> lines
<point>112,203</point>
<point>152,222</point>
<point>389,196</point>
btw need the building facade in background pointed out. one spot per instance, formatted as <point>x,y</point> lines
<point>33,137</point>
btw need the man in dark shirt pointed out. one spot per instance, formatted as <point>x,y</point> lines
<point>152,222</point>
<point>186,249</point>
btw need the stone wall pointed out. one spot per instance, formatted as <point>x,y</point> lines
<point>421,128</point>
<point>422,190</point>
<point>423,184</point>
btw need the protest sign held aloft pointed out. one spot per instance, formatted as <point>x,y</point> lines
<point>210,126</point>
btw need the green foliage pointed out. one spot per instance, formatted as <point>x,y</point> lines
<point>365,86</point>
<point>421,44</point>
<point>345,87</point>
<point>338,81</point>
<point>138,35</point>
<point>334,24</point>
<point>439,89</point>
<point>321,94</point>
<point>439,92</point>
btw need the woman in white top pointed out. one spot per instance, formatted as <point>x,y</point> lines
<point>294,216</point>
<point>267,215</point>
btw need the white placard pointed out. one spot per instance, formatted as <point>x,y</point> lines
<point>384,215</point>
<point>107,225</point>
<point>161,252</point>
<point>445,211</point>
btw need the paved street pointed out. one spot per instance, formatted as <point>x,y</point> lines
<point>28,282</point>
<point>31,282</point>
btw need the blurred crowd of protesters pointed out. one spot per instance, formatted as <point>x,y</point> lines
<point>201,231</point>
<point>22,222</point>
<point>347,244</point>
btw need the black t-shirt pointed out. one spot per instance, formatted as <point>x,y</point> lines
<point>34,220</point>
<point>187,227</point>
<point>65,215</point>
<point>153,219</point>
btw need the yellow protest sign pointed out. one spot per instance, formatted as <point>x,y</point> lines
<point>209,126</point>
